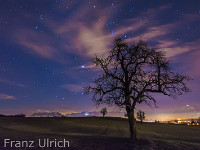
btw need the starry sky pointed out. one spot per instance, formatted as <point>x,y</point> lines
<point>46,47</point>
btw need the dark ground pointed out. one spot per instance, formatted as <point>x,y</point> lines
<point>96,133</point>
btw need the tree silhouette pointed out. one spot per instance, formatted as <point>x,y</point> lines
<point>140,115</point>
<point>132,73</point>
<point>125,115</point>
<point>192,122</point>
<point>104,111</point>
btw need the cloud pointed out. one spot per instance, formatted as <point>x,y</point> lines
<point>73,87</point>
<point>12,83</point>
<point>82,36</point>
<point>186,109</point>
<point>6,97</point>
<point>190,60</point>
<point>36,43</point>
<point>174,48</point>
<point>77,35</point>
<point>162,34</point>
<point>88,36</point>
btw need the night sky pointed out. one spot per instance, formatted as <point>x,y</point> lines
<point>46,47</point>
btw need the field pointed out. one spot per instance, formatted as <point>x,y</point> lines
<point>96,133</point>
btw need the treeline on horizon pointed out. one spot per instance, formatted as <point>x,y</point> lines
<point>17,115</point>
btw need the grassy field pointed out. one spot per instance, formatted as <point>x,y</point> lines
<point>95,133</point>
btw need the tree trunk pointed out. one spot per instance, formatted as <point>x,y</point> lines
<point>132,123</point>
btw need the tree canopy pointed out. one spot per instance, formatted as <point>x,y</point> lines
<point>104,111</point>
<point>140,115</point>
<point>137,71</point>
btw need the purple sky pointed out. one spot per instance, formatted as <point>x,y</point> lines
<point>46,47</point>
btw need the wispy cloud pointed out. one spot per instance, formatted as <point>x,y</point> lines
<point>73,87</point>
<point>37,43</point>
<point>12,83</point>
<point>186,109</point>
<point>175,48</point>
<point>87,37</point>
<point>6,97</point>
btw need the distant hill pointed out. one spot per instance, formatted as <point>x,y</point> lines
<point>83,114</point>
<point>58,114</point>
<point>47,114</point>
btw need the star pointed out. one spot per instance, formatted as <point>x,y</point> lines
<point>41,17</point>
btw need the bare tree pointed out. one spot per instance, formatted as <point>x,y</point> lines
<point>192,122</point>
<point>140,115</point>
<point>104,111</point>
<point>125,115</point>
<point>132,73</point>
